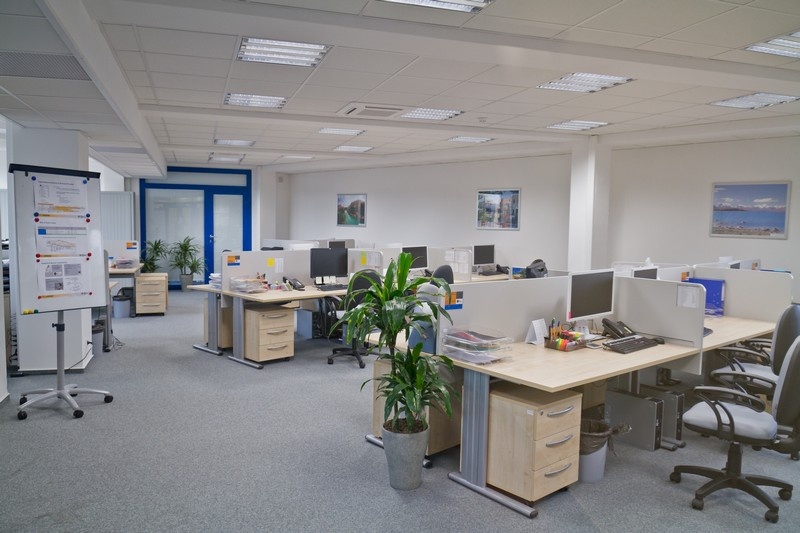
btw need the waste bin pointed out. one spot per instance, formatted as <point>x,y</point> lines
<point>97,338</point>
<point>595,441</point>
<point>121,306</point>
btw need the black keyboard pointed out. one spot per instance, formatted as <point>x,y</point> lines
<point>707,331</point>
<point>332,287</point>
<point>630,344</point>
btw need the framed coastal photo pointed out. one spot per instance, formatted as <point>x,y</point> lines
<point>351,210</point>
<point>498,209</point>
<point>758,210</point>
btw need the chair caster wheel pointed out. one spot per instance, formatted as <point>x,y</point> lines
<point>77,413</point>
<point>795,456</point>
<point>73,394</point>
<point>330,361</point>
<point>785,494</point>
<point>697,503</point>
<point>771,516</point>
<point>22,415</point>
<point>22,400</point>
<point>675,477</point>
<point>361,365</point>
<point>108,398</point>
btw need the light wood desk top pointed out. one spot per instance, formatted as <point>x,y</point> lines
<point>114,271</point>
<point>551,370</point>
<point>273,296</point>
<point>492,277</point>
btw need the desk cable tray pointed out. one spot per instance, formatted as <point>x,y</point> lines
<point>477,347</point>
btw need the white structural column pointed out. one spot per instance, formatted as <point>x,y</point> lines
<point>589,205</point>
<point>36,338</point>
<point>271,205</point>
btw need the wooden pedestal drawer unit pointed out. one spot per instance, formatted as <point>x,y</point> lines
<point>151,293</point>
<point>533,441</point>
<point>268,332</point>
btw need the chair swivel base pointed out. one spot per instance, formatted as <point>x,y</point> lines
<point>65,394</point>
<point>731,477</point>
<point>337,352</point>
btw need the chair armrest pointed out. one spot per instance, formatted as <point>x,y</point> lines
<point>734,356</point>
<point>717,395</point>
<point>760,345</point>
<point>741,380</point>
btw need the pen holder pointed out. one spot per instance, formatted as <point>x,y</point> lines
<point>564,345</point>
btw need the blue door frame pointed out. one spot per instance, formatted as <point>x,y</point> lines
<point>208,205</point>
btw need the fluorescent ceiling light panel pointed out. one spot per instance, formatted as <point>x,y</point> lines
<point>255,100</point>
<point>340,131</point>
<point>281,52</point>
<point>754,101</point>
<point>424,113</point>
<point>214,157</point>
<point>233,142</point>
<point>584,82</point>
<point>466,6</point>
<point>463,139</point>
<point>347,148</point>
<point>787,46</point>
<point>578,125</point>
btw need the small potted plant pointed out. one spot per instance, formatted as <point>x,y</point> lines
<point>389,307</point>
<point>154,251</point>
<point>184,257</point>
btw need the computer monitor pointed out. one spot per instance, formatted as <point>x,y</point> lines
<point>735,265</point>
<point>483,254</point>
<point>327,262</point>
<point>337,244</point>
<point>590,294</point>
<point>419,256</point>
<point>650,272</point>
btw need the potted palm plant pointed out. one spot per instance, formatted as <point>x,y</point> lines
<point>154,251</point>
<point>184,257</point>
<point>389,307</point>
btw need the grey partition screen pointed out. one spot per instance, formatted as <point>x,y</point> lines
<point>59,248</point>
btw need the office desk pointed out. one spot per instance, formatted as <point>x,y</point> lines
<point>239,299</point>
<point>551,371</point>
<point>492,277</point>
<point>114,272</point>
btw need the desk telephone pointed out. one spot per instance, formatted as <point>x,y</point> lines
<point>616,330</point>
<point>295,283</point>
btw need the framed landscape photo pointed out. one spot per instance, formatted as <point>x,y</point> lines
<point>498,209</point>
<point>759,210</point>
<point>351,210</point>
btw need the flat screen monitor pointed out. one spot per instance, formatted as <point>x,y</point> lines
<point>483,254</point>
<point>419,256</point>
<point>735,265</point>
<point>645,272</point>
<point>337,244</point>
<point>326,262</point>
<point>590,294</point>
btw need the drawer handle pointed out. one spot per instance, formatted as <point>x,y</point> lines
<point>562,412</point>
<point>281,332</point>
<point>150,294</point>
<point>278,347</point>
<point>551,474</point>
<point>281,315</point>
<point>559,442</point>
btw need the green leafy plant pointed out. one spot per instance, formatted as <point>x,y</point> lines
<point>153,252</point>
<point>183,256</point>
<point>390,307</point>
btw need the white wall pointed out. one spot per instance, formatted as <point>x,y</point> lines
<point>661,202</point>
<point>436,205</point>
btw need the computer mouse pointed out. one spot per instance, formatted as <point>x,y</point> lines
<point>659,340</point>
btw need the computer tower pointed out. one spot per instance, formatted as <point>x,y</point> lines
<point>643,413</point>
<point>672,428</point>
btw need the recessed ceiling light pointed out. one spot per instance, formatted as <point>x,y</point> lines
<point>424,113</point>
<point>347,148</point>
<point>233,142</point>
<point>298,157</point>
<point>340,131</point>
<point>214,157</point>
<point>787,46</point>
<point>463,139</point>
<point>578,125</point>
<point>281,52</point>
<point>754,101</point>
<point>584,82</point>
<point>467,6</point>
<point>255,100</point>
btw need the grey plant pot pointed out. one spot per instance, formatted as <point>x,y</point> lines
<point>186,280</point>
<point>404,455</point>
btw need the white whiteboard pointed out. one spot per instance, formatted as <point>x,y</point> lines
<point>57,239</point>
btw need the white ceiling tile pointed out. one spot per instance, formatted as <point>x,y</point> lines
<point>340,94</point>
<point>364,60</point>
<point>415,14</point>
<point>515,26</point>
<point>33,34</point>
<point>81,117</point>
<point>131,60</point>
<point>611,116</point>
<point>451,102</point>
<point>783,6</point>
<point>702,111</point>
<point>9,102</point>
<point>477,118</point>
<point>670,46</point>
<point>251,70</point>
<point>407,84</point>
<point>49,87</point>
<point>609,38</point>
<point>484,91</point>
<point>655,18</point>
<point>542,96</point>
<point>509,108</point>
<point>754,58</point>
<point>138,78</point>
<point>656,121</point>
<point>429,67</point>
<point>346,78</point>
<point>739,28</point>
<point>568,12</point>
<point>648,89</point>
<point>302,105</point>
<point>162,80</point>
<point>121,37</point>
<point>264,88</point>
<point>530,122</point>
<point>517,76</point>
<point>182,95</point>
<point>198,66</point>
<point>653,106</point>
<point>83,105</point>
<point>394,98</point>
<point>603,100</point>
<point>188,43</point>
<point>703,95</point>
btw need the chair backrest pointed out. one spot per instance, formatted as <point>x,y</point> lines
<point>444,272</point>
<point>786,402</point>
<point>362,280</point>
<point>786,331</point>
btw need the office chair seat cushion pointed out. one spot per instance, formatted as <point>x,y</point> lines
<point>749,425</point>
<point>761,371</point>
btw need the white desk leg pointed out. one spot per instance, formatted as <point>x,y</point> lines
<point>212,326</point>
<point>238,335</point>
<point>474,437</point>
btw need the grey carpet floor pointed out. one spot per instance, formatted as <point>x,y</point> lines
<point>196,442</point>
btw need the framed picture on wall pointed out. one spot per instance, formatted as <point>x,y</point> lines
<point>758,210</point>
<point>351,210</point>
<point>498,209</point>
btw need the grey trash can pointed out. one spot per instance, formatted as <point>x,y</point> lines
<point>97,339</point>
<point>595,442</point>
<point>121,306</point>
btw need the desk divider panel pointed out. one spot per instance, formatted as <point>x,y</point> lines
<point>460,260</point>
<point>389,253</point>
<point>506,306</point>
<point>361,258</point>
<point>289,244</point>
<point>127,249</point>
<point>275,264</point>
<point>754,294</point>
<point>666,271</point>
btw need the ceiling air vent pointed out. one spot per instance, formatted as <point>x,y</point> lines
<point>32,65</point>
<point>371,110</point>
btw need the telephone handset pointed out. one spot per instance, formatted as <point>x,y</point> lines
<point>295,283</point>
<point>616,330</point>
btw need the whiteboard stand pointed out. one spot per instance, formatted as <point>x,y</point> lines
<point>65,392</point>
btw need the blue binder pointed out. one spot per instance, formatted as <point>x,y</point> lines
<point>715,294</point>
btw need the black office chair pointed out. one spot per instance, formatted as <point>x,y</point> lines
<point>363,280</point>
<point>444,272</point>
<point>757,370</point>
<point>738,417</point>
